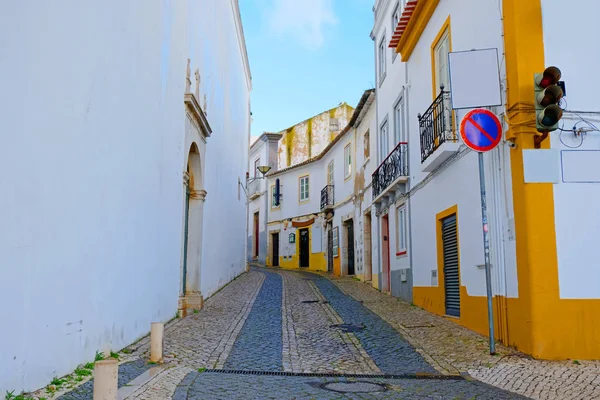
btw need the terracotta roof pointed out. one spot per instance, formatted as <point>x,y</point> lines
<point>407,13</point>
<point>339,137</point>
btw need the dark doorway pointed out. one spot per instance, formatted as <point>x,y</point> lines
<point>451,270</point>
<point>330,249</point>
<point>275,238</point>
<point>255,235</point>
<point>304,248</point>
<point>185,239</point>
<point>350,231</point>
<point>385,230</point>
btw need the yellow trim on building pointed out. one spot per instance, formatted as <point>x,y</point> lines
<point>540,323</point>
<point>445,27</point>
<point>421,16</point>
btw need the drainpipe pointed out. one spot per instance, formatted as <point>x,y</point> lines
<point>409,182</point>
<point>377,217</point>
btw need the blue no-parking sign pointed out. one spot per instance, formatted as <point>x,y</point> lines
<point>480,130</point>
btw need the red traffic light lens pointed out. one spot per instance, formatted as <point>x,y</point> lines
<point>551,76</point>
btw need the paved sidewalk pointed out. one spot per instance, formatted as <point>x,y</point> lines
<point>294,335</point>
<point>451,348</point>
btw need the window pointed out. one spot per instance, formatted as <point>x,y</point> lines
<point>273,199</point>
<point>347,161</point>
<point>304,194</point>
<point>382,59</point>
<point>336,242</point>
<point>367,145</point>
<point>256,164</point>
<point>330,173</point>
<point>440,55</point>
<point>395,20</point>
<point>383,142</point>
<point>401,230</point>
<point>399,134</point>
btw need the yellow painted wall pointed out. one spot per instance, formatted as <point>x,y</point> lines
<point>337,265</point>
<point>317,261</point>
<point>375,281</point>
<point>541,323</point>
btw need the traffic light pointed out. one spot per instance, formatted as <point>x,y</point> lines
<point>547,94</point>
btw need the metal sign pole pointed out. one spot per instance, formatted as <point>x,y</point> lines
<point>486,250</point>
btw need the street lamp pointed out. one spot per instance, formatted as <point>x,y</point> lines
<point>263,169</point>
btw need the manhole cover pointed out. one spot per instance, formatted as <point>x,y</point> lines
<point>354,387</point>
<point>310,301</point>
<point>349,327</point>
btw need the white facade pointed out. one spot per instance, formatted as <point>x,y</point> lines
<point>94,153</point>
<point>577,156</point>
<point>337,166</point>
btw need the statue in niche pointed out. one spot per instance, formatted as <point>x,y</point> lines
<point>197,75</point>
<point>188,72</point>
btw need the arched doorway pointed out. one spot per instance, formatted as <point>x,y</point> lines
<point>195,196</point>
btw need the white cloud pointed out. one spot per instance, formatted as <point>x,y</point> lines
<point>302,20</point>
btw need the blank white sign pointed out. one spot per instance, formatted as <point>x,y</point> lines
<point>474,79</point>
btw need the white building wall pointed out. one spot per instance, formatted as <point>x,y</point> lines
<point>91,167</point>
<point>459,183</point>
<point>259,204</point>
<point>578,187</point>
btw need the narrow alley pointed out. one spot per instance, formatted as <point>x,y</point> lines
<point>291,335</point>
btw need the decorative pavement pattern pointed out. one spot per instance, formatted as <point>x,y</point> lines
<point>275,334</point>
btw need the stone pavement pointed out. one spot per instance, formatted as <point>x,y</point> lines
<point>294,335</point>
<point>451,348</point>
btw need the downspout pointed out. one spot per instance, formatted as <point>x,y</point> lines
<point>409,182</point>
<point>377,217</point>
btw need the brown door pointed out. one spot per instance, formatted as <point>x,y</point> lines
<point>367,250</point>
<point>255,235</point>
<point>385,233</point>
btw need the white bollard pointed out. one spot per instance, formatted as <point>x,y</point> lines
<point>156,341</point>
<point>106,376</point>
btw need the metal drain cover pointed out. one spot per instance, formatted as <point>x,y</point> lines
<point>354,387</point>
<point>349,327</point>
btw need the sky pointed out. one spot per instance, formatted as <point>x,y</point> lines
<point>306,56</point>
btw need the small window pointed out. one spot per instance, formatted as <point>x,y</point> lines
<point>401,230</point>
<point>395,20</point>
<point>330,173</point>
<point>273,199</point>
<point>347,161</point>
<point>382,59</point>
<point>256,164</point>
<point>384,146</point>
<point>367,140</point>
<point>399,135</point>
<point>304,194</point>
<point>442,71</point>
<point>336,242</point>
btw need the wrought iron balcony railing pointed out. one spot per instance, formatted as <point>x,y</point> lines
<point>327,200</point>
<point>254,188</point>
<point>435,125</point>
<point>393,167</point>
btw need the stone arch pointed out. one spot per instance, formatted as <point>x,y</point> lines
<point>195,195</point>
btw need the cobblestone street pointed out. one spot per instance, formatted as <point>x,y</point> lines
<point>291,335</point>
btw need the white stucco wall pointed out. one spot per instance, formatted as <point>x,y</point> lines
<point>578,188</point>
<point>91,167</point>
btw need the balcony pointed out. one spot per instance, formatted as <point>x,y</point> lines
<point>391,176</point>
<point>254,189</point>
<point>439,139</point>
<point>327,201</point>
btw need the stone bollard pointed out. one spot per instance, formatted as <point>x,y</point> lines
<point>106,376</point>
<point>156,341</point>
